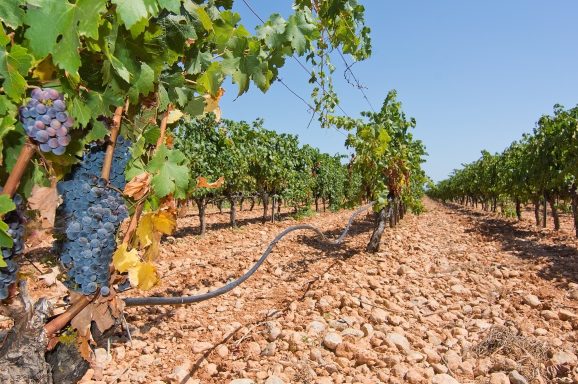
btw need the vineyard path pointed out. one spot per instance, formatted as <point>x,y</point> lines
<point>417,311</point>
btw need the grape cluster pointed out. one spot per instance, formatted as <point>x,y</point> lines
<point>15,220</point>
<point>92,211</point>
<point>45,120</point>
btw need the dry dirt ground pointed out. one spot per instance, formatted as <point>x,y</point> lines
<point>454,295</point>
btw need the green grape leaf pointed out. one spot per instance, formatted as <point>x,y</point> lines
<point>152,134</point>
<point>210,81</point>
<point>200,62</point>
<point>163,98</point>
<point>80,111</point>
<point>5,241</point>
<point>56,26</point>
<point>300,31</point>
<point>11,13</point>
<point>144,84</point>
<point>195,106</point>
<point>6,204</point>
<point>4,39</point>
<point>170,174</point>
<point>14,65</point>
<point>98,132</point>
<point>273,31</point>
<point>8,121</point>
<point>173,6</point>
<point>133,11</point>
<point>204,18</point>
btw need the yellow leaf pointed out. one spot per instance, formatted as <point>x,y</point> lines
<point>143,276</point>
<point>123,259</point>
<point>174,115</point>
<point>139,186</point>
<point>154,249</point>
<point>164,222</point>
<point>151,222</point>
<point>144,231</point>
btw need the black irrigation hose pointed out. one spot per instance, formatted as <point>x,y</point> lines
<point>136,301</point>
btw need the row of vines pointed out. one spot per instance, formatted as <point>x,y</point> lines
<point>110,123</point>
<point>539,169</point>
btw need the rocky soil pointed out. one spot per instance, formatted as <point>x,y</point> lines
<point>454,296</point>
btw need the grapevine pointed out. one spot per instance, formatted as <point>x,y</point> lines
<point>539,169</point>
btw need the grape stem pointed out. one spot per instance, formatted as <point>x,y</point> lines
<point>107,164</point>
<point>15,175</point>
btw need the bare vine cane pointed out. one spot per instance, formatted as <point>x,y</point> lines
<point>15,176</point>
<point>139,301</point>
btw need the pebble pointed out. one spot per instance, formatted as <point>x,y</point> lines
<point>201,346</point>
<point>564,357</point>
<point>332,340</point>
<point>499,378</point>
<point>274,380</point>
<point>516,378</point>
<point>400,341</point>
<point>549,315</point>
<point>241,381</point>
<point>443,378</point>
<point>566,315</point>
<point>532,300</point>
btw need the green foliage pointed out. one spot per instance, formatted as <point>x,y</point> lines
<point>387,157</point>
<point>101,53</point>
<point>543,164</point>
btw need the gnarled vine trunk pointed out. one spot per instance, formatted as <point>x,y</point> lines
<point>575,207</point>
<point>233,211</point>
<point>374,242</point>
<point>518,209</point>
<point>201,206</point>
<point>544,211</point>
<point>554,209</point>
<point>537,211</point>
<point>265,197</point>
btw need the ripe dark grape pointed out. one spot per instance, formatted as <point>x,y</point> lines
<point>89,218</point>
<point>46,110</point>
<point>15,220</point>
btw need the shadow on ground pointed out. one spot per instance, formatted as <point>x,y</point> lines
<point>525,243</point>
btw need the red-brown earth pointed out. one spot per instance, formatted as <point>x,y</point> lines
<point>454,295</point>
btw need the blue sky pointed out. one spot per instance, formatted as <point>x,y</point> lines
<point>475,75</point>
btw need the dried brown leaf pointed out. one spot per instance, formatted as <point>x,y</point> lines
<point>204,183</point>
<point>212,104</point>
<point>45,200</point>
<point>139,186</point>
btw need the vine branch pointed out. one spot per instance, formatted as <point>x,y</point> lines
<point>107,164</point>
<point>15,175</point>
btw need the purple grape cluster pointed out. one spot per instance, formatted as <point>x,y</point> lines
<point>89,217</point>
<point>15,220</point>
<point>45,120</point>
